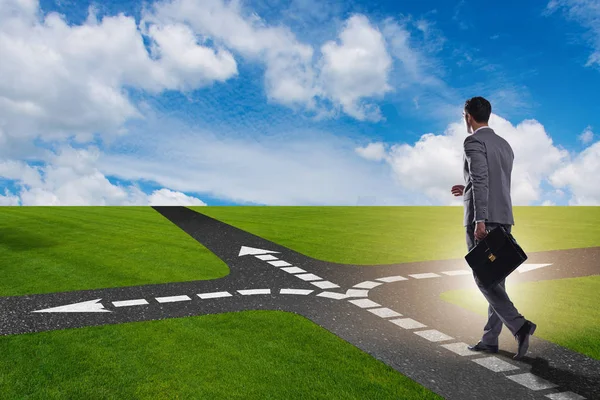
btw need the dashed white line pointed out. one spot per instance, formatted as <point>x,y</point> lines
<point>293,270</point>
<point>279,263</point>
<point>248,292</point>
<point>296,291</point>
<point>434,336</point>
<point>384,312</point>
<point>325,284</point>
<point>364,303</point>
<point>531,381</point>
<point>389,279</point>
<point>565,396</point>
<point>357,293</point>
<point>127,303</point>
<point>266,257</point>
<point>407,323</point>
<point>460,349</point>
<point>458,272</point>
<point>172,299</point>
<point>425,275</point>
<point>495,364</point>
<point>213,295</point>
<point>332,295</point>
<point>309,277</point>
<point>367,285</point>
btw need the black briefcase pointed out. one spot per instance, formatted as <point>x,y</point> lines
<point>495,257</point>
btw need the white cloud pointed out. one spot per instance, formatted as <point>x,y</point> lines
<point>580,174</point>
<point>587,14</point>
<point>71,177</point>
<point>293,167</point>
<point>347,72</point>
<point>587,135</point>
<point>289,77</point>
<point>9,199</point>
<point>58,79</point>
<point>434,164</point>
<point>373,151</point>
<point>166,197</point>
<point>548,203</point>
<point>356,67</point>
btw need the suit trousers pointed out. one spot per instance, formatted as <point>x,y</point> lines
<point>501,310</point>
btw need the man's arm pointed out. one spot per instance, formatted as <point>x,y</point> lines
<point>478,168</point>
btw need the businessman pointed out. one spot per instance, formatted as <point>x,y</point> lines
<point>488,161</point>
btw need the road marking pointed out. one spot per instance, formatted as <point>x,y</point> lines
<point>530,267</point>
<point>84,306</point>
<point>384,312</point>
<point>296,291</point>
<point>172,299</point>
<point>531,381</point>
<point>357,293</point>
<point>128,303</point>
<point>332,295</point>
<point>565,396</point>
<point>495,364</point>
<point>266,257</point>
<point>293,270</point>
<point>367,285</point>
<point>389,279</point>
<point>425,276</point>
<point>309,277</point>
<point>325,284</point>
<point>460,349</point>
<point>407,323</point>
<point>279,263</point>
<point>434,336</point>
<point>248,292</point>
<point>214,295</point>
<point>364,303</point>
<point>458,272</point>
<point>244,250</point>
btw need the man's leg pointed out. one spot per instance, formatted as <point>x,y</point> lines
<point>501,310</point>
<point>492,329</point>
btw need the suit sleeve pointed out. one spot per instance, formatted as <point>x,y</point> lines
<point>478,169</point>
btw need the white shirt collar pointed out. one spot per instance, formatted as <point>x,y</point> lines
<point>481,127</point>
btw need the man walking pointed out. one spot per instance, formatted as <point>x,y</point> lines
<point>488,161</point>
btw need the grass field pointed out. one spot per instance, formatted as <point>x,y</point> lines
<point>48,249</point>
<point>387,235</point>
<point>54,249</point>
<point>246,355</point>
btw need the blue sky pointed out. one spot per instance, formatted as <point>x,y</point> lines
<point>530,59</point>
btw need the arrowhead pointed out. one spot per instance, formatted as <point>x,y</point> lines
<point>530,267</point>
<point>86,306</point>
<point>253,251</point>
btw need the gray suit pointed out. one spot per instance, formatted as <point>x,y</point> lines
<point>488,161</point>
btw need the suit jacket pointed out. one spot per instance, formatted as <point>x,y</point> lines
<point>488,161</point>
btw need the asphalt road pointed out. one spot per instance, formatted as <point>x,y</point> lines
<point>392,312</point>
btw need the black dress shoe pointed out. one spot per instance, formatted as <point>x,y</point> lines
<point>522,337</point>
<point>483,347</point>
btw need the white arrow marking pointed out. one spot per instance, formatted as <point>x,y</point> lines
<point>530,267</point>
<point>86,306</point>
<point>244,250</point>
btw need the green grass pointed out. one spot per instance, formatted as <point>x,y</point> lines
<point>387,235</point>
<point>247,355</point>
<point>565,310</point>
<point>53,249</point>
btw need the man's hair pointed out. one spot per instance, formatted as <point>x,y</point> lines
<point>478,108</point>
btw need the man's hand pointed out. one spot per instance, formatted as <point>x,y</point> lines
<point>458,190</point>
<point>480,232</point>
